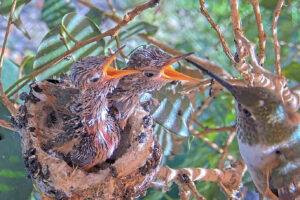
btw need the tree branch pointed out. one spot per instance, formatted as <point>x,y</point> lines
<point>225,149</point>
<point>261,34</point>
<point>6,125</point>
<point>230,178</point>
<point>6,101</point>
<point>217,29</point>
<point>111,32</point>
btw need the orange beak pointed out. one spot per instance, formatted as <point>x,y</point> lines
<point>168,72</point>
<point>111,72</point>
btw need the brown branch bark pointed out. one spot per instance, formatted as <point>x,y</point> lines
<point>225,149</point>
<point>236,26</point>
<point>218,31</point>
<point>6,125</point>
<point>6,100</point>
<point>215,147</point>
<point>207,131</point>
<point>275,36</point>
<point>261,34</point>
<point>113,17</point>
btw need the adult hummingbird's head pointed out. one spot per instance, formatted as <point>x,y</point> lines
<point>94,71</point>
<point>257,107</point>
<point>156,68</point>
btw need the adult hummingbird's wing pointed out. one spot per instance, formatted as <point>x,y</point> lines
<point>285,178</point>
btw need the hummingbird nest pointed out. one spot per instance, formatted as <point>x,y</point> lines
<point>124,176</point>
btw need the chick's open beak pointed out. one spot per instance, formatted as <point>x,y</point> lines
<point>168,72</point>
<point>111,72</point>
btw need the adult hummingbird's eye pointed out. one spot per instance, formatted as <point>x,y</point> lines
<point>246,112</point>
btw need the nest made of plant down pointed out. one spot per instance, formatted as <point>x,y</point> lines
<point>135,161</point>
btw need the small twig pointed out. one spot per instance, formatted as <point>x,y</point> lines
<point>206,103</point>
<point>119,46</point>
<point>207,141</point>
<point>187,187</point>
<point>6,125</point>
<point>225,149</point>
<point>289,44</point>
<point>261,34</point>
<point>275,36</point>
<point>207,131</point>
<point>111,6</point>
<point>251,50</point>
<point>21,68</point>
<point>183,193</point>
<point>111,32</point>
<point>20,87</point>
<point>115,61</point>
<point>215,147</point>
<point>230,178</point>
<point>106,14</point>
<point>236,26</point>
<point>6,101</point>
<point>217,29</point>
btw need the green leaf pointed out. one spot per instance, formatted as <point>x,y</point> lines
<point>14,159</point>
<point>10,73</point>
<point>5,188</point>
<point>95,15</point>
<point>13,181</point>
<point>54,10</point>
<point>174,110</point>
<point>292,71</point>
<point>57,42</point>
<point>171,116</point>
<point>12,173</point>
<point>166,140</point>
<point>27,64</point>
<point>5,7</point>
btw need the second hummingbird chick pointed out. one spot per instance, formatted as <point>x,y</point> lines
<point>156,71</point>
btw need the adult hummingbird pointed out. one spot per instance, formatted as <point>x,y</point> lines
<point>72,114</point>
<point>156,71</point>
<point>268,137</point>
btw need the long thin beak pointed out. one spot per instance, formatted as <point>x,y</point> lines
<point>222,81</point>
<point>177,58</point>
<point>111,72</point>
<point>168,72</point>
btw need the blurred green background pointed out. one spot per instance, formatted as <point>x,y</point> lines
<point>176,23</point>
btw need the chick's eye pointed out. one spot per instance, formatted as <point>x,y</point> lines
<point>246,113</point>
<point>92,78</point>
<point>148,74</point>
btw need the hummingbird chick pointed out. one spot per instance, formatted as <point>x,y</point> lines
<point>269,139</point>
<point>156,71</point>
<point>72,114</point>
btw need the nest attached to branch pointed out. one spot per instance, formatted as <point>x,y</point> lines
<point>135,161</point>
